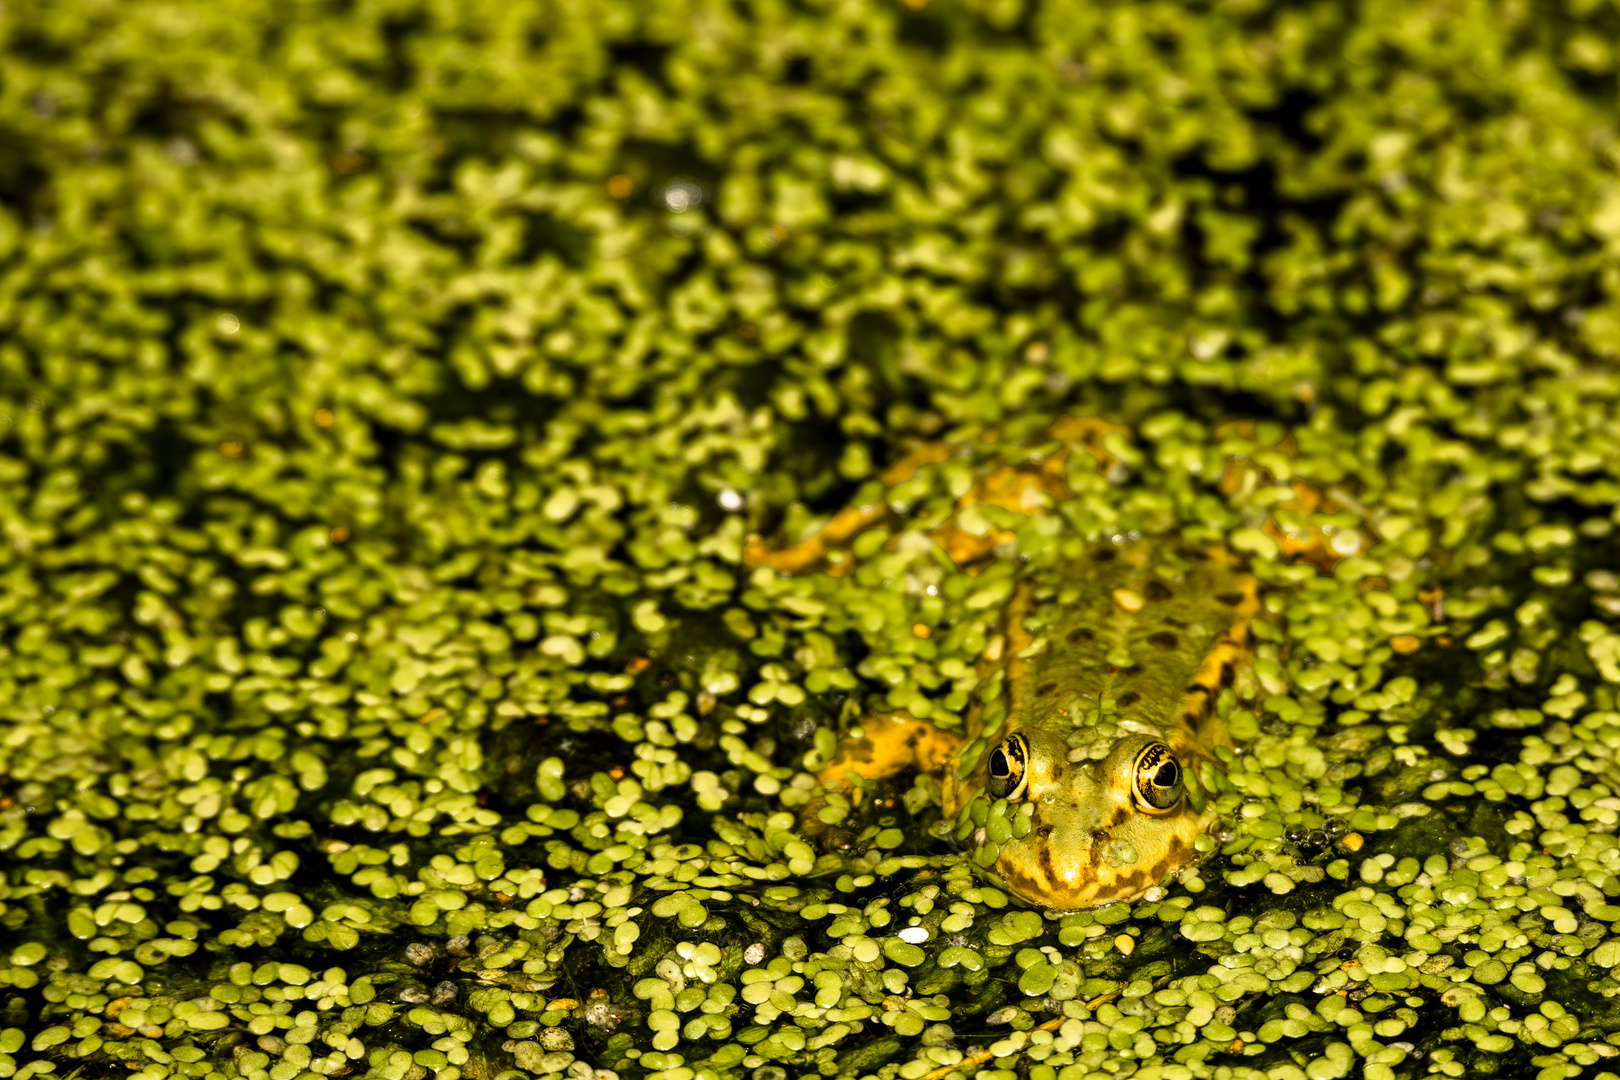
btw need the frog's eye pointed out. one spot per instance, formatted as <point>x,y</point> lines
<point>1008,771</point>
<point>1156,778</point>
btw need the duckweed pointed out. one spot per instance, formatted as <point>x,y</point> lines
<point>391,396</point>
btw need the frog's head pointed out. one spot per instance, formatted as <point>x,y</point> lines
<point>1099,830</point>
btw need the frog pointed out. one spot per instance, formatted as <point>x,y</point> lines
<point>1086,772</point>
<point>1090,772</point>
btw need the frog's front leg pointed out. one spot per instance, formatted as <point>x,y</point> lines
<point>886,745</point>
<point>883,746</point>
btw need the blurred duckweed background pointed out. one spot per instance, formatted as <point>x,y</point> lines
<point>389,388</point>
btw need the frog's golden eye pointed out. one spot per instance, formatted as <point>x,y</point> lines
<point>1007,776</point>
<point>1156,778</point>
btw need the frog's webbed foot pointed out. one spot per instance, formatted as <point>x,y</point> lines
<point>850,522</point>
<point>829,822</point>
<point>1309,523</point>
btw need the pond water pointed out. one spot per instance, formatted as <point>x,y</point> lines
<point>397,401</point>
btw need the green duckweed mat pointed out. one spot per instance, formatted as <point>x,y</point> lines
<point>388,389</point>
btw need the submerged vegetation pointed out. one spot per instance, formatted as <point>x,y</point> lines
<point>389,391</point>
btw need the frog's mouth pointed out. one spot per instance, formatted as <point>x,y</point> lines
<point>1087,870</point>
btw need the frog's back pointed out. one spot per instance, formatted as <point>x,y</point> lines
<point>1130,639</point>
<point>1135,626</point>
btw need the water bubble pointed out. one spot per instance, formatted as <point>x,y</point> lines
<point>682,194</point>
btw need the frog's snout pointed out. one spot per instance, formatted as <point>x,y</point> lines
<point>1085,850</point>
<point>1061,869</point>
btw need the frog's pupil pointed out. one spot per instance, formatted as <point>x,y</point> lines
<point>998,765</point>
<point>1167,775</point>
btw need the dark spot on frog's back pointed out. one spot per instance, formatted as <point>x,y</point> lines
<point>1129,698</point>
<point>1046,688</point>
<point>1105,554</point>
<point>1082,636</point>
<point>1164,639</point>
<point>1228,673</point>
<point>1230,599</point>
<point>1157,591</point>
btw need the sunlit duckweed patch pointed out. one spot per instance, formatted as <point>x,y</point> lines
<point>389,394</point>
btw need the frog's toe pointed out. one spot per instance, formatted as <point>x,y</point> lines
<point>840,840</point>
<point>823,825</point>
